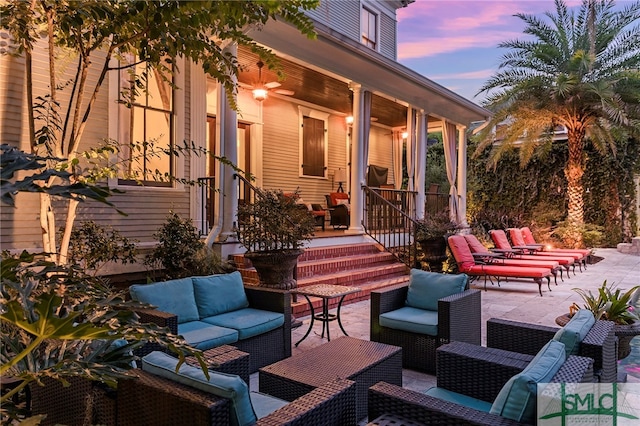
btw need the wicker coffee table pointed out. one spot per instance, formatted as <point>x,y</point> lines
<point>362,361</point>
<point>226,359</point>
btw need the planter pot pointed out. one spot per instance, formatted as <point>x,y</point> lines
<point>624,333</point>
<point>435,252</point>
<point>276,269</point>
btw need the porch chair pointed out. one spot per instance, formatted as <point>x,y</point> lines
<point>470,266</point>
<point>499,238</point>
<point>431,310</point>
<point>162,396</point>
<point>480,252</point>
<point>481,386</point>
<point>339,209</point>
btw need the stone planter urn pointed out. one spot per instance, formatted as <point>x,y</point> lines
<point>624,332</point>
<point>276,269</point>
<point>435,252</point>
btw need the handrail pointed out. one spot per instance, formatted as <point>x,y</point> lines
<point>386,221</point>
<point>207,213</point>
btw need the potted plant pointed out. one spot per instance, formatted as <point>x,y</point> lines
<point>610,304</point>
<point>273,229</point>
<point>431,233</point>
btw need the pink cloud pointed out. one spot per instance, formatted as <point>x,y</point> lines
<point>471,75</point>
<point>431,46</point>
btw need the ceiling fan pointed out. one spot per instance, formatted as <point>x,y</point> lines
<point>260,88</point>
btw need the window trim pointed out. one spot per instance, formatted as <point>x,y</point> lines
<point>318,115</point>
<point>376,13</point>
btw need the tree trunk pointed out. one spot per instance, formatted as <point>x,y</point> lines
<point>575,191</point>
<point>48,226</point>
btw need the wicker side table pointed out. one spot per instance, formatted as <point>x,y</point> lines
<point>226,359</point>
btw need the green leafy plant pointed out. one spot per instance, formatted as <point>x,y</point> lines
<point>609,304</point>
<point>434,226</point>
<point>273,221</point>
<point>58,322</point>
<point>93,246</point>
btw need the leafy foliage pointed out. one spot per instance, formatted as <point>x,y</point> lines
<point>435,225</point>
<point>273,221</point>
<point>609,304</point>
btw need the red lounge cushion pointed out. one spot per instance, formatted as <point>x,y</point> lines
<point>335,196</point>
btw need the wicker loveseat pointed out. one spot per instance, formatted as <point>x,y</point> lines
<point>219,310</point>
<point>433,309</point>
<point>470,371</point>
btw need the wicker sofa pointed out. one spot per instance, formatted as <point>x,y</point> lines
<point>458,318</point>
<point>218,310</point>
<point>470,370</point>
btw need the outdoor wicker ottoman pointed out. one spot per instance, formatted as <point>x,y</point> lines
<point>362,361</point>
<point>226,359</point>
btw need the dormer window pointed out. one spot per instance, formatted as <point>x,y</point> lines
<point>369,28</point>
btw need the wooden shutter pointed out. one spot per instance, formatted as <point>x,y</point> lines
<point>313,147</point>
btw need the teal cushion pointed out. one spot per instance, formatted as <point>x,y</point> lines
<point>426,288</point>
<point>458,398</point>
<point>220,384</point>
<point>412,320</point>
<point>203,336</point>
<point>264,404</point>
<point>175,296</point>
<point>248,321</point>
<point>575,331</point>
<point>217,294</point>
<point>517,398</point>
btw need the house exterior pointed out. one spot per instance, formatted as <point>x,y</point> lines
<point>344,105</point>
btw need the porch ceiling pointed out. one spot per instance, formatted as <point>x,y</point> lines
<point>320,89</point>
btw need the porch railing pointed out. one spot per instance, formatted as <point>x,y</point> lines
<point>389,218</point>
<point>207,187</point>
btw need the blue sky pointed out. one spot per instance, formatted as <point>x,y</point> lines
<point>454,43</point>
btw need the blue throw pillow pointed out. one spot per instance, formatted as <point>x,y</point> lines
<point>517,398</point>
<point>217,294</point>
<point>426,288</point>
<point>575,330</point>
<point>220,384</point>
<point>175,296</point>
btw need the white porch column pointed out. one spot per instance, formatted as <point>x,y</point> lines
<point>227,136</point>
<point>198,90</point>
<point>462,176</point>
<point>358,162</point>
<point>421,162</point>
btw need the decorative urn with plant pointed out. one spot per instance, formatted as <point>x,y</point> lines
<point>611,304</point>
<point>431,233</point>
<point>273,229</point>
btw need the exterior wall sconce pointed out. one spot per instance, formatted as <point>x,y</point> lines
<point>405,135</point>
<point>340,176</point>
<point>260,94</point>
<point>349,119</point>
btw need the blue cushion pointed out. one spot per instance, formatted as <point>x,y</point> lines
<point>248,321</point>
<point>460,399</point>
<point>224,385</point>
<point>412,320</point>
<point>264,404</point>
<point>217,294</point>
<point>575,331</point>
<point>175,296</point>
<point>426,288</point>
<point>517,398</point>
<point>203,336</point>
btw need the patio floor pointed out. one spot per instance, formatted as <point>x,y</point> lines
<point>514,300</point>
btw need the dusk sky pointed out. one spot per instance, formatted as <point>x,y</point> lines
<point>454,43</point>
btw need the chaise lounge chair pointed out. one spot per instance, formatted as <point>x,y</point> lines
<point>468,265</point>
<point>527,235</point>
<point>518,241</point>
<point>480,252</point>
<point>503,245</point>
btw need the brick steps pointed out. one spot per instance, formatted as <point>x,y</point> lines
<point>357,265</point>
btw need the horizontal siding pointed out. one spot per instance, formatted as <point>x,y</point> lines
<point>381,150</point>
<point>388,36</point>
<point>341,16</point>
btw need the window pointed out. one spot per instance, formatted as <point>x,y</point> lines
<point>146,125</point>
<point>313,141</point>
<point>369,28</point>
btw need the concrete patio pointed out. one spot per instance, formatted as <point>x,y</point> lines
<point>514,300</point>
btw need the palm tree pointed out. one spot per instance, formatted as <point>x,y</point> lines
<point>580,71</point>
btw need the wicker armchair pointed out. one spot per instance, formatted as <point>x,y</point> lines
<point>600,344</point>
<point>470,370</point>
<point>458,319</point>
<point>264,349</point>
<point>339,212</point>
<point>154,400</point>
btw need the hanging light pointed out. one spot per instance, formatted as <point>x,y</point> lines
<point>260,94</point>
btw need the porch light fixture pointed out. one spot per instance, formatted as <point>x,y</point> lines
<point>260,94</point>
<point>405,135</point>
<point>340,176</point>
<point>349,119</point>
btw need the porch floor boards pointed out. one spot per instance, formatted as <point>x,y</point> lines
<point>356,265</point>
